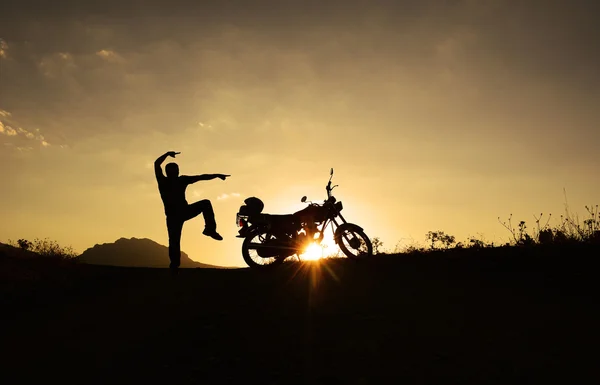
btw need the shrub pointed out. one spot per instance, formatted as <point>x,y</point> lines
<point>46,248</point>
<point>377,244</point>
<point>440,238</point>
<point>569,229</point>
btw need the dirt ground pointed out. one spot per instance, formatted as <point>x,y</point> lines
<point>394,319</point>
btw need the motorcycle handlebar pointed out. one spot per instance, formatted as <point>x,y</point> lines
<point>329,188</point>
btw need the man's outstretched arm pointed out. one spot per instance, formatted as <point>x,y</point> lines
<point>196,178</point>
<point>160,160</point>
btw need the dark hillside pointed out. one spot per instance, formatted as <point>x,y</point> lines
<point>500,316</point>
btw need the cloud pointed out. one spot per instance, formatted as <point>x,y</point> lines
<point>30,135</point>
<point>3,49</point>
<point>227,196</point>
<point>110,56</point>
<point>8,130</point>
<point>26,133</point>
<point>57,64</point>
<point>206,126</point>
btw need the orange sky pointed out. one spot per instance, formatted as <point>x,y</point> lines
<point>434,115</point>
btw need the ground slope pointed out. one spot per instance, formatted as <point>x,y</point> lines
<point>440,319</point>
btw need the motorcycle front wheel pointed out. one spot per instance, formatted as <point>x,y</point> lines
<point>353,241</point>
<point>256,244</point>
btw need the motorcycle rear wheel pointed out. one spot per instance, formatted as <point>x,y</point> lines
<point>251,254</point>
<point>353,241</point>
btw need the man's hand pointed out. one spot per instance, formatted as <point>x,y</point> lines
<point>222,176</point>
<point>157,168</point>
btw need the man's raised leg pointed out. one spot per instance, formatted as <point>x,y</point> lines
<point>210,225</point>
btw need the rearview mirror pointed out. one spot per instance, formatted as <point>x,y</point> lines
<point>303,199</point>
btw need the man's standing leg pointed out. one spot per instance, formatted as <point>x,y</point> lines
<point>210,225</point>
<point>174,227</point>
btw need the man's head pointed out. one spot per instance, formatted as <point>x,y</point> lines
<point>172,170</point>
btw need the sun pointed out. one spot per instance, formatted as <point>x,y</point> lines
<point>327,248</point>
<point>312,253</point>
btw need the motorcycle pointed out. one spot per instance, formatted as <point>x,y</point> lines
<point>270,239</point>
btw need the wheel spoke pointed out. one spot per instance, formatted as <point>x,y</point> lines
<point>252,247</point>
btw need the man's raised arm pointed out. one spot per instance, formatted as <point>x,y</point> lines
<point>157,163</point>
<point>196,178</point>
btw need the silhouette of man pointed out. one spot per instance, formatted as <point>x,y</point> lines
<point>172,191</point>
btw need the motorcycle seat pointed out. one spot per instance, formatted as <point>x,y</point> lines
<point>275,218</point>
<point>281,217</point>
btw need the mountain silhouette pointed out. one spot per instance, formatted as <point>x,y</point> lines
<point>135,252</point>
